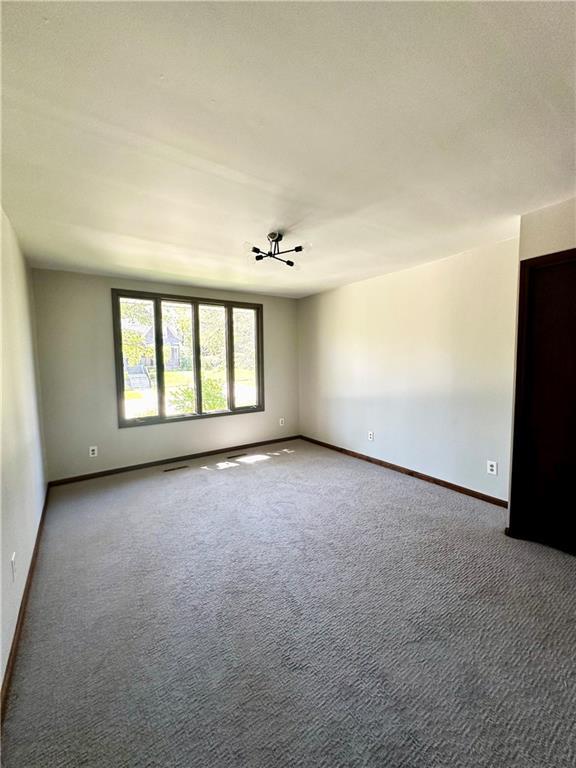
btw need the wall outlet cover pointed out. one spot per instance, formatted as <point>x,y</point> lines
<point>93,451</point>
<point>492,467</point>
<point>370,435</point>
<point>282,421</point>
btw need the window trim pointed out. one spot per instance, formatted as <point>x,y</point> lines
<point>194,302</point>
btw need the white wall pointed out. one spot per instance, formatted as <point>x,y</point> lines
<point>76,357</point>
<point>23,485</point>
<point>425,359</point>
<point>548,230</point>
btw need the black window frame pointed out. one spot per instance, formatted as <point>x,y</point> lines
<point>194,302</point>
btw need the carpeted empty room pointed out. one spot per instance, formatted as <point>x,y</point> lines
<point>291,607</point>
<point>288,363</point>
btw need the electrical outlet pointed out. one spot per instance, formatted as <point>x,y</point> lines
<point>93,451</point>
<point>370,435</point>
<point>492,467</point>
<point>13,566</point>
<point>282,421</point>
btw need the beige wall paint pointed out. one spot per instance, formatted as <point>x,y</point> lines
<point>23,485</point>
<point>76,357</point>
<point>548,230</point>
<point>425,359</point>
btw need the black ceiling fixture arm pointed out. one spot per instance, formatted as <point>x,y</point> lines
<point>274,252</point>
<point>284,261</point>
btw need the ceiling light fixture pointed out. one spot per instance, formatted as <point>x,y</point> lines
<point>274,252</point>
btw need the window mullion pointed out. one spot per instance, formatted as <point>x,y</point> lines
<point>159,344</point>
<point>260,357</point>
<point>230,356</point>
<point>197,363</point>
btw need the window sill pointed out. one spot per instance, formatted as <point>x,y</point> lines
<point>146,421</point>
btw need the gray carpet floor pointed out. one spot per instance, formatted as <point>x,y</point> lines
<point>305,610</point>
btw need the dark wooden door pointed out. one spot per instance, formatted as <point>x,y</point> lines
<point>543,491</point>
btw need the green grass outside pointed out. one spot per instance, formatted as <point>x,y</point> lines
<point>186,378</point>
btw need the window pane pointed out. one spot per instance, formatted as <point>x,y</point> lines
<point>178,351</point>
<point>245,381</point>
<point>139,359</point>
<point>212,321</point>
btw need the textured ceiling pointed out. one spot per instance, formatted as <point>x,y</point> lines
<point>153,139</point>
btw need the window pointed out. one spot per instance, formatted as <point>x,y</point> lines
<point>181,358</point>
